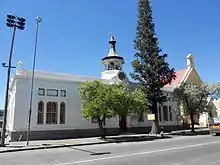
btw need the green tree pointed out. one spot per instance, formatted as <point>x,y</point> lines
<point>140,104</point>
<point>121,104</point>
<point>127,102</point>
<point>194,99</point>
<point>150,67</point>
<point>96,102</point>
<point>101,101</point>
<point>215,91</point>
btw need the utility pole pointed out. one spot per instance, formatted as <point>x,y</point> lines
<point>12,22</point>
<point>38,20</point>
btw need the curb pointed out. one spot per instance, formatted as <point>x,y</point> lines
<point>205,132</point>
<point>197,133</point>
<point>52,146</point>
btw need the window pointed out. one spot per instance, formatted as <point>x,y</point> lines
<point>41,91</point>
<point>170,113</point>
<point>51,113</point>
<point>40,113</point>
<point>165,113</point>
<point>52,92</point>
<point>160,113</point>
<point>62,93</point>
<point>62,113</point>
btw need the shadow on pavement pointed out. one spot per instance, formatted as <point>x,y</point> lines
<point>91,152</point>
<point>23,146</point>
<point>189,133</point>
<point>134,138</point>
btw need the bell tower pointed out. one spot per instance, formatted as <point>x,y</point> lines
<point>113,63</point>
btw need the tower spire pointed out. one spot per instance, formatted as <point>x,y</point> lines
<point>112,63</point>
<point>112,43</point>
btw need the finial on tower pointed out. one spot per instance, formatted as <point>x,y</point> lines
<point>112,43</point>
<point>112,62</point>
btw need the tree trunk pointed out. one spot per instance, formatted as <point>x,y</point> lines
<point>123,123</point>
<point>192,122</point>
<point>101,122</point>
<point>155,124</point>
<point>155,127</point>
<point>178,119</point>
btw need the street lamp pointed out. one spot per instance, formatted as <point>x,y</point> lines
<point>12,22</point>
<point>38,20</point>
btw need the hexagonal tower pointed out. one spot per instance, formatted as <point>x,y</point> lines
<point>113,64</point>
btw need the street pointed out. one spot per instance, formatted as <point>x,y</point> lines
<point>197,150</point>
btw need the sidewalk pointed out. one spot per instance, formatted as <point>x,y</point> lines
<point>45,144</point>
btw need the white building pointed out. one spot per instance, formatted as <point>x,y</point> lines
<point>56,104</point>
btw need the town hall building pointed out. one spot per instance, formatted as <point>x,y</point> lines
<point>56,104</point>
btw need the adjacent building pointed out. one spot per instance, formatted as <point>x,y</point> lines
<point>188,74</point>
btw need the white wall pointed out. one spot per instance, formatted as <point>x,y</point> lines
<point>11,107</point>
<point>74,119</point>
<point>216,108</point>
<point>19,107</point>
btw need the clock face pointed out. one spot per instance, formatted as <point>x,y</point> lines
<point>121,76</point>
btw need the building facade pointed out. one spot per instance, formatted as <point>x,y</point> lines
<point>56,104</point>
<point>186,75</point>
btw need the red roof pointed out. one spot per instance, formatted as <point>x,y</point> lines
<point>179,76</point>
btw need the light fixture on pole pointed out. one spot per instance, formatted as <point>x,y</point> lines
<point>12,22</point>
<point>38,20</point>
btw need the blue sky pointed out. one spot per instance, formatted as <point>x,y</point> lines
<point>73,35</point>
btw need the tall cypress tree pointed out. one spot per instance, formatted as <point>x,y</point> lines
<point>150,67</point>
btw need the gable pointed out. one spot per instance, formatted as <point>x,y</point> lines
<point>193,76</point>
<point>185,75</point>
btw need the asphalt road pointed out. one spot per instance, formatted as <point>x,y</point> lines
<point>200,150</point>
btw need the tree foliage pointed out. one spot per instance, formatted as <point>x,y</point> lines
<point>96,100</point>
<point>215,91</point>
<point>101,101</point>
<point>194,98</point>
<point>150,67</point>
<point>128,102</point>
<point>140,104</point>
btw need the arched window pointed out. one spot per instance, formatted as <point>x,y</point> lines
<point>62,113</point>
<point>40,113</point>
<point>51,117</point>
